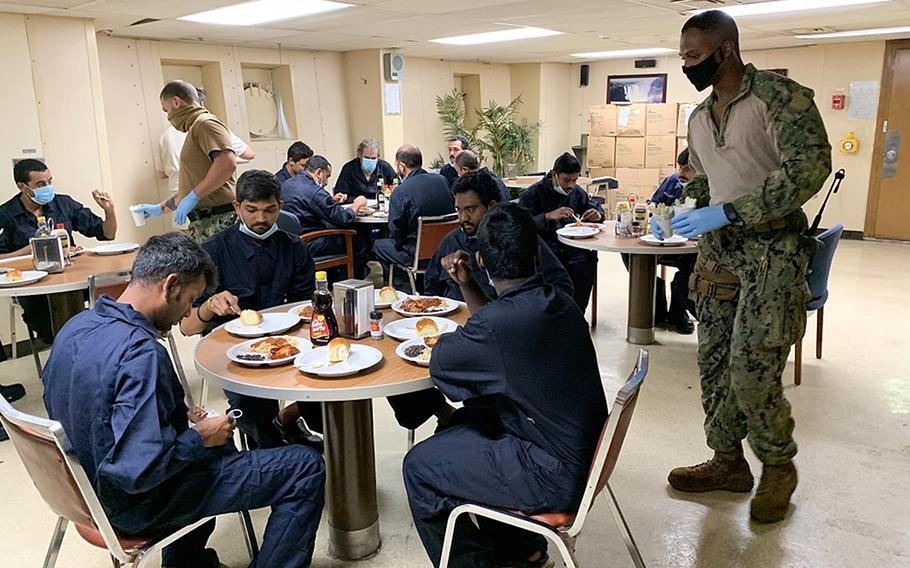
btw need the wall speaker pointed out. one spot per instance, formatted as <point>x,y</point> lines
<point>584,74</point>
<point>645,63</point>
<point>394,66</point>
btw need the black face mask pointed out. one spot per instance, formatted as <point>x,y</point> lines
<point>702,74</point>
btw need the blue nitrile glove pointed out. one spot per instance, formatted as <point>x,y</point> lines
<point>655,229</point>
<point>700,221</point>
<point>149,210</point>
<point>186,205</point>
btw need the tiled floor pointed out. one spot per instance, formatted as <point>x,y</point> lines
<point>852,412</point>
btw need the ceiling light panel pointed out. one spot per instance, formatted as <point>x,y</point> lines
<point>786,6</point>
<point>264,11</point>
<point>510,34</point>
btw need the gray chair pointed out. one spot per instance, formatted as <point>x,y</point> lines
<point>562,528</point>
<point>430,232</point>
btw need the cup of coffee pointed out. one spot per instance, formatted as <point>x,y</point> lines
<point>138,216</point>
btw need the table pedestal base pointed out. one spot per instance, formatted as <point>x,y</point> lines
<point>352,511</point>
<point>642,275</point>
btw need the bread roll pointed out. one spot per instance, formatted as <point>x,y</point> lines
<point>339,350</point>
<point>13,275</point>
<point>250,317</point>
<point>426,327</point>
<point>388,295</point>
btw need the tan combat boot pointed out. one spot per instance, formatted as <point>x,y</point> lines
<point>725,472</point>
<point>772,499</point>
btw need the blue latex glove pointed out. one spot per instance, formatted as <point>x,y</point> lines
<point>700,221</point>
<point>655,229</point>
<point>150,210</point>
<point>186,205</point>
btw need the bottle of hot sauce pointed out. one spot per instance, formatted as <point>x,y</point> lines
<point>323,325</point>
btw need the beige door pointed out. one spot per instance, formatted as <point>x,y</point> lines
<point>889,194</point>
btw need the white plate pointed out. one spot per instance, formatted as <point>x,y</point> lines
<point>28,277</point>
<point>118,248</point>
<point>451,306</point>
<point>383,305</point>
<point>272,324</point>
<point>302,344</point>
<point>316,361</point>
<point>405,329</point>
<point>674,241</point>
<point>582,232</point>
<point>401,348</point>
<point>293,311</point>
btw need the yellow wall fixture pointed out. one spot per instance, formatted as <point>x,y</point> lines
<point>849,144</point>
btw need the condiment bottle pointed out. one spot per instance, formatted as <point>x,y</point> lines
<point>376,324</point>
<point>323,325</point>
<point>60,231</point>
<point>43,229</point>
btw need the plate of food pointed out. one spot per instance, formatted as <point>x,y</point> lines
<point>412,306</point>
<point>418,350</point>
<point>254,324</point>
<point>117,248</point>
<point>268,352</point>
<point>578,231</point>
<point>338,359</point>
<point>409,328</point>
<point>304,311</point>
<point>15,277</point>
<point>385,297</point>
<point>366,211</point>
<point>674,241</point>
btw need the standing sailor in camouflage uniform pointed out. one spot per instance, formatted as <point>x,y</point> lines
<point>760,151</point>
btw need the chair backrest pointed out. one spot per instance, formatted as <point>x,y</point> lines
<point>111,283</point>
<point>57,474</point>
<point>820,267</point>
<point>289,223</point>
<point>611,439</point>
<point>430,232</point>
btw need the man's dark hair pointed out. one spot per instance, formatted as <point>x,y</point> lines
<point>185,91</point>
<point>410,157</point>
<point>467,160</point>
<point>318,162</point>
<point>299,151</point>
<point>458,138</point>
<point>507,241</point>
<point>258,185</point>
<point>173,253</point>
<point>480,182</point>
<point>683,158</point>
<point>717,23</point>
<point>23,169</point>
<point>567,164</point>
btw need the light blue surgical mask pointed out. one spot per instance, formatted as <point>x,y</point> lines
<point>251,233</point>
<point>43,195</point>
<point>560,190</point>
<point>369,164</point>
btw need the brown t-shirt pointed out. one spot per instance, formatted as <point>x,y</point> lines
<point>205,136</point>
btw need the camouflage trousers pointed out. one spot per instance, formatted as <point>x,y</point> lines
<point>744,342</point>
<point>202,229</point>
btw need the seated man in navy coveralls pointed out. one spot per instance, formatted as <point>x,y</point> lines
<point>467,162</point>
<point>110,382</point>
<point>534,405</point>
<point>475,193</point>
<point>298,154</point>
<point>554,201</point>
<point>259,267</point>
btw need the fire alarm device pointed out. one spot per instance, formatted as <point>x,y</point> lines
<point>838,102</point>
<point>849,144</point>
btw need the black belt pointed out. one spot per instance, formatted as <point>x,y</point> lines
<point>200,214</point>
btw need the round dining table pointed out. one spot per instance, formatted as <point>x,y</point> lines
<point>347,413</point>
<point>643,259</point>
<point>73,277</point>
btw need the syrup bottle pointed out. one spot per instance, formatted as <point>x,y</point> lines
<point>323,325</point>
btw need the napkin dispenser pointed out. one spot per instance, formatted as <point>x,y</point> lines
<point>353,304</point>
<point>47,254</point>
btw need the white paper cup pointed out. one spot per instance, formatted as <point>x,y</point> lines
<point>680,209</point>
<point>138,216</point>
<point>666,226</point>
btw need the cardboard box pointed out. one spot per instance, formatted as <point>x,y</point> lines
<point>601,151</point>
<point>666,172</point>
<point>660,151</point>
<point>682,120</point>
<point>638,181</point>
<point>601,172</point>
<point>661,119</point>
<point>630,153</point>
<point>603,120</point>
<point>630,120</point>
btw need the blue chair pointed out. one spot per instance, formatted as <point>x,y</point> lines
<point>289,223</point>
<point>819,270</point>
